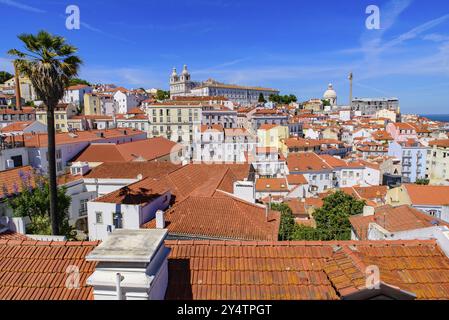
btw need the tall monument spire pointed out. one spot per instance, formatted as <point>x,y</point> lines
<point>351,77</point>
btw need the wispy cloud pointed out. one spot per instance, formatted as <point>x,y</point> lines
<point>21,6</point>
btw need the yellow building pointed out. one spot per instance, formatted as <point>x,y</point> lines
<point>26,88</point>
<point>314,105</point>
<point>63,112</point>
<point>272,136</point>
<point>176,121</point>
<point>98,104</point>
<point>438,162</point>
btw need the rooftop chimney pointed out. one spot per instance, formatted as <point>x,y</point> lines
<point>160,219</point>
<point>368,211</point>
<point>131,265</point>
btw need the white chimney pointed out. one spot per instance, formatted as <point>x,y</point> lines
<point>368,211</point>
<point>245,190</point>
<point>131,265</point>
<point>160,221</point>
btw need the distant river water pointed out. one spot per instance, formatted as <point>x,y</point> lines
<point>437,117</point>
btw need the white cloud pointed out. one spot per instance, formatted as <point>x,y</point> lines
<point>21,6</point>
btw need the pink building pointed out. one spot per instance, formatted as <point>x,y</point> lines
<point>402,131</point>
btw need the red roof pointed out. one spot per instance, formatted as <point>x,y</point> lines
<point>35,270</point>
<point>11,180</point>
<point>428,195</point>
<point>221,217</point>
<point>397,219</point>
<point>212,270</point>
<point>131,170</point>
<point>305,162</point>
<point>40,140</point>
<point>141,150</point>
<point>17,126</point>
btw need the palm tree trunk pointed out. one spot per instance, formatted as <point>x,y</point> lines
<point>52,170</point>
<point>17,88</point>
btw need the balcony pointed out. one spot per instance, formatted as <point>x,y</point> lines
<point>11,142</point>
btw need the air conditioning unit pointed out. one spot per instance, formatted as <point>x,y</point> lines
<point>9,164</point>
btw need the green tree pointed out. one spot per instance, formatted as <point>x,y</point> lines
<point>326,103</point>
<point>77,81</point>
<point>5,76</point>
<point>423,182</point>
<point>50,63</point>
<point>262,98</point>
<point>33,201</point>
<point>287,225</point>
<point>162,95</point>
<point>332,219</point>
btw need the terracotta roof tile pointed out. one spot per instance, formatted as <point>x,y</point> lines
<point>11,180</point>
<point>392,219</point>
<point>30,270</point>
<point>221,217</point>
<point>142,150</point>
<point>302,270</point>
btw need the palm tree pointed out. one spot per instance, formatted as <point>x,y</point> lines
<point>49,62</point>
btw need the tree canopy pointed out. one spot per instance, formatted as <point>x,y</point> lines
<point>77,81</point>
<point>5,76</point>
<point>286,99</point>
<point>33,201</point>
<point>332,219</point>
<point>262,98</point>
<point>162,95</point>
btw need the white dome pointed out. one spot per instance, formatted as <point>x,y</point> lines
<point>330,93</point>
<point>174,73</point>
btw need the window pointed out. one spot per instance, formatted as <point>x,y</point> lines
<point>58,166</point>
<point>117,219</point>
<point>99,217</point>
<point>83,207</point>
<point>58,154</point>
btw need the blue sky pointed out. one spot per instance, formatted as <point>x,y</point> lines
<point>296,46</point>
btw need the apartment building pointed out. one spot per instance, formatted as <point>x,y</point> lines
<point>413,157</point>
<point>176,121</point>
<point>438,162</point>
<point>63,112</point>
<point>75,94</point>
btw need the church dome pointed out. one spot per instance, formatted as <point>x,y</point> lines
<point>330,93</point>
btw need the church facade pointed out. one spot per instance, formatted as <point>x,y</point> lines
<point>182,85</point>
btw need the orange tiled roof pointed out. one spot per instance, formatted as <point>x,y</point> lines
<point>11,181</point>
<point>40,140</point>
<point>130,170</point>
<point>397,219</point>
<point>428,195</point>
<point>11,235</point>
<point>200,180</point>
<point>271,185</point>
<point>301,143</point>
<point>440,143</point>
<point>296,179</point>
<point>141,150</point>
<point>35,270</point>
<point>221,217</point>
<point>305,162</point>
<point>17,126</point>
<point>211,270</point>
